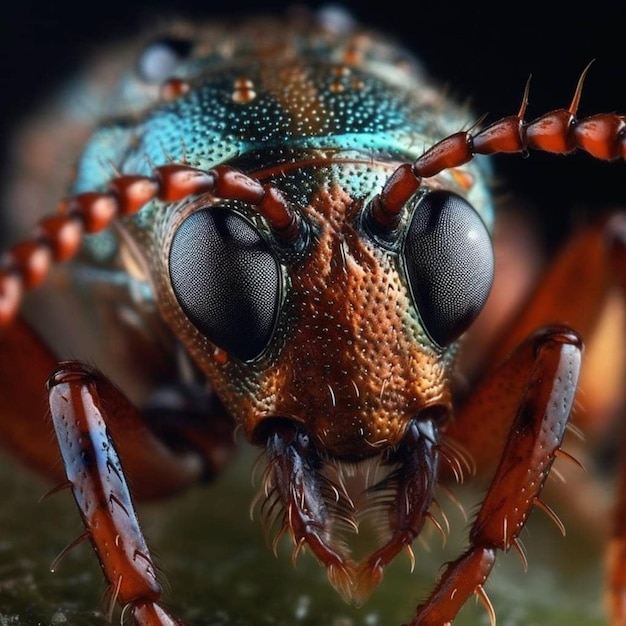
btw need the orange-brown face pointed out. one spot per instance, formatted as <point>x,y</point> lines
<point>330,336</point>
<point>356,367</point>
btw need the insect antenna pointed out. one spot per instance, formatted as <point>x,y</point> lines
<point>58,238</point>
<point>603,136</point>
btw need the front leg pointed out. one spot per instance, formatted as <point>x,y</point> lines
<point>85,408</point>
<point>532,444</point>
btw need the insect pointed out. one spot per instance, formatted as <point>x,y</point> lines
<point>286,232</point>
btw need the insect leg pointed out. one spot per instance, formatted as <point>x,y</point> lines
<point>88,413</point>
<point>574,290</point>
<point>616,556</point>
<point>582,286</point>
<point>551,359</point>
<point>25,364</point>
<point>575,287</point>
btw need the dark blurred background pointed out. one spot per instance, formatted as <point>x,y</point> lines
<point>483,54</point>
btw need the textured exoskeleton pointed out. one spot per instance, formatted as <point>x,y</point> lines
<point>280,228</point>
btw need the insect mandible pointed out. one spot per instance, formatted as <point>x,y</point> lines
<point>261,202</point>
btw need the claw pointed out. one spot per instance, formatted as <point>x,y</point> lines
<point>369,575</point>
<point>342,577</point>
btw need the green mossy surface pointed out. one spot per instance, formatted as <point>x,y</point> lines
<point>219,572</point>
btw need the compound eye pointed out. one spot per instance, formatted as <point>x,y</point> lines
<point>450,264</point>
<point>159,59</point>
<point>227,280</point>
